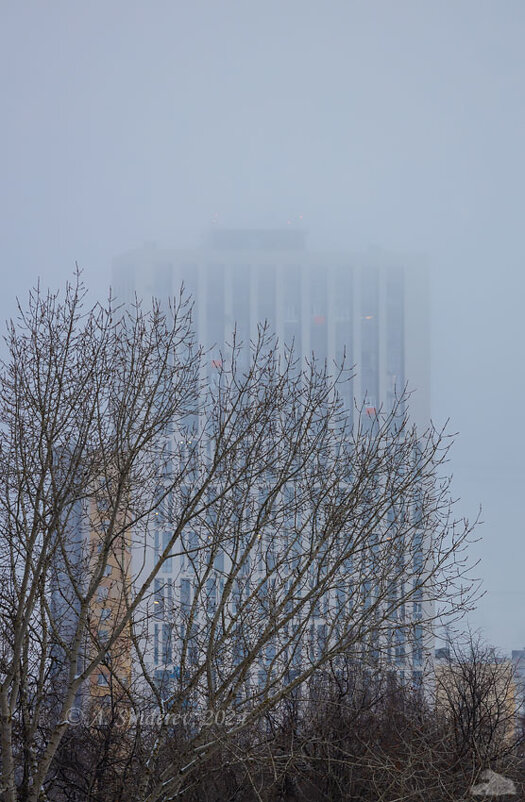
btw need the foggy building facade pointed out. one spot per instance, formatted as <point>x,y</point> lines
<point>368,308</point>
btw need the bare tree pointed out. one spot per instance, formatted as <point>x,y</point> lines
<point>204,547</point>
<point>86,401</point>
<point>476,693</point>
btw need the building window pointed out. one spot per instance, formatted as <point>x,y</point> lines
<point>168,564</point>
<point>399,645</point>
<point>166,644</point>
<point>418,644</point>
<point>185,594</point>
<point>158,599</point>
<point>156,644</point>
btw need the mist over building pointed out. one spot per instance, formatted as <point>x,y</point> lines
<point>370,309</point>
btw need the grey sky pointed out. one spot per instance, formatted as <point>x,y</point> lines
<point>398,124</point>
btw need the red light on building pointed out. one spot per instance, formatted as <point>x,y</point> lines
<point>319,320</point>
<point>371,411</point>
<point>216,363</point>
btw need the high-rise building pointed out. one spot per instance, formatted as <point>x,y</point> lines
<point>518,662</point>
<point>370,309</point>
<point>80,545</point>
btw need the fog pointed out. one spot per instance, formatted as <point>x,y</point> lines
<point>390,124</point>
